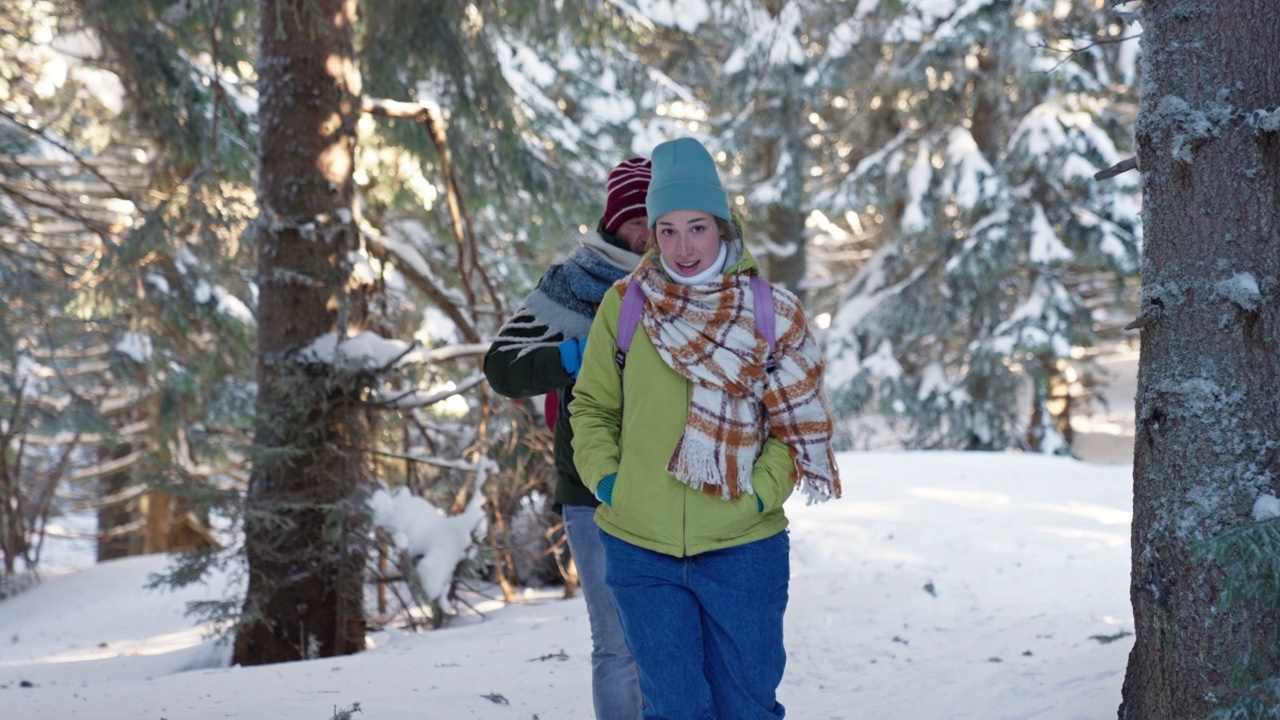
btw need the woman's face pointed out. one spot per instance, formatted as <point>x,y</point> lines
<point>688,240</point>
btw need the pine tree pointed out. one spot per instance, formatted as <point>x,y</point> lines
<point>772,84</point>
<point>178,276</point>
<point>749,78</point>
<point>305,517</point>
<point>972,134</point>
<point>118,275</point>
<point>955,144</point>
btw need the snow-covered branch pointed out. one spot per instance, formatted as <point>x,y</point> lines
<point>128,431</point>
<point>439,541</point>
<point>109,467</point>
<point>414,398</point>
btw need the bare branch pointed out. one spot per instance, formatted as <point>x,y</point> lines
<point>128,431</point>
<point>411,398</point>
<point>416,271</point>
<point>464,233</point>
<point>46,137</point>
<point>463,465</point>
<point>1073,50</point>
<point>1123,166</point>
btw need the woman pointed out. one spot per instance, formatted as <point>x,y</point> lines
<point>692,449</point>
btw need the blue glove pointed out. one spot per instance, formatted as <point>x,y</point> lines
<point>604,491</point>
<point>571,355</point>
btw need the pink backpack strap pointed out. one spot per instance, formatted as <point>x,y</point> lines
<point>628,319</point>
<point>766,322</point>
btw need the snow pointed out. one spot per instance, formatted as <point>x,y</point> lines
<point>438,541</point>
<point>1042,130</point>
<point>882,363</point>
<point>62,56</point>
<point>933,381</point>
<point>365,350</point>
<point>918,178</point>
<point>158,281</point>
<point>1241,289</point>
<point>1077,168</point>
<point>843,39</point>
<point>613,107</point>
<point>1267,506</point>
<point>969,169</point>
<point>686,15</point>
<point>1111,244</point>
<point>232,306</point>
<point>136,346</point>
<point>1046,248</point>
<point>1129,55</point>
<point>988,586</point>
<point>776,39</point>
<point>842,345</point>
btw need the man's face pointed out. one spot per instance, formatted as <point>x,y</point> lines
<point>635,233</point>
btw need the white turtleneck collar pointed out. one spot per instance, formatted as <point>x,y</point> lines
<point>712,270</point>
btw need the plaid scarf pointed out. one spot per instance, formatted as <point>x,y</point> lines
<point>707,334</point>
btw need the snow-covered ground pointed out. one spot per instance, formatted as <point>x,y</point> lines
<point>1104,431</point>
<point>944,585</point>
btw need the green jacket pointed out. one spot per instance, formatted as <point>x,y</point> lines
<point>635,439</point>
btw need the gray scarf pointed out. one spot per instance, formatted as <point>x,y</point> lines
<point>566,298</point>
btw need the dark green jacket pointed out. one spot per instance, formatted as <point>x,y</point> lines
<point>535,373</point>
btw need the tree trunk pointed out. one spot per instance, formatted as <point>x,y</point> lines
<point>1207,415</point>
<point>785,224</point>
<point>117,521</point>
<point>306,523</point>
<point>787,163</point>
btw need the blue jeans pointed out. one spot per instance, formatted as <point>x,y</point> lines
<point>705,630</point>
<point>615,689</point>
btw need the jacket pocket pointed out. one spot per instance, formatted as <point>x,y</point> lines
<point>728,520</point>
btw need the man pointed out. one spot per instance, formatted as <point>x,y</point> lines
<point>539,350</point>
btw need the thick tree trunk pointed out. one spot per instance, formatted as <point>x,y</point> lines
<point>1207,415</point>
<point>306,524</point>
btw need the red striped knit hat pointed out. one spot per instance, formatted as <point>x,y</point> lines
<point>628,185</point>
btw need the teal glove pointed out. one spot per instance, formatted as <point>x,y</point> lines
<point>759,503</point>
<point>604,491</point>
<point>571,355</point>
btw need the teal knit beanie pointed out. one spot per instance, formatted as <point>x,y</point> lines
<point>685,178</point>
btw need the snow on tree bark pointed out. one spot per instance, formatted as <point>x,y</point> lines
<point>1207,417</point>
